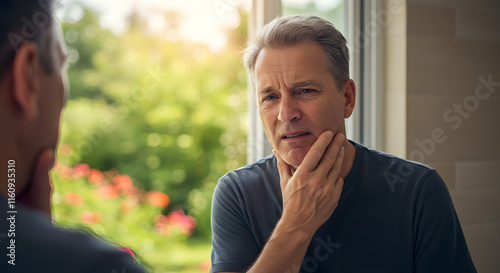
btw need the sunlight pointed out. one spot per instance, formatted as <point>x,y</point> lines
<point>191,20</point>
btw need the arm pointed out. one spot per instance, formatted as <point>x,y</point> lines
<point>310,195</point>
<point>439,241</point>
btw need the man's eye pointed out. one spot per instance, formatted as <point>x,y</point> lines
<point>305,91</point>
<point>269,97</point>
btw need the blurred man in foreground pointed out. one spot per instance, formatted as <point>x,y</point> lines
<point>33,90</point>
<point>323,203</point>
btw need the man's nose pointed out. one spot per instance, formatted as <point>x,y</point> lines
<point>289,110</point>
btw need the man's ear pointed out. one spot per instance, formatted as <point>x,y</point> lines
<point>349,94</point>
<point>25,70</point>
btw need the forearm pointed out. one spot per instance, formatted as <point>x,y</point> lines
<point>284,251</point>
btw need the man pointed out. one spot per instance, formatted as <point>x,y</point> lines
<point>33,91</point>
<point>323,203</point>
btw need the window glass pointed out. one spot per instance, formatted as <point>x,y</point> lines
<point>331,10</point>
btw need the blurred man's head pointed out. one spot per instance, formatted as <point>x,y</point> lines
<point>33,82</point>
<point>300,69</point>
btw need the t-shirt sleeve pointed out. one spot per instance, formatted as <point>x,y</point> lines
<point>234,248</point>
<point>439,241</point>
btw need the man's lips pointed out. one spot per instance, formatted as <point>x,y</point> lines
<point>294,135</point>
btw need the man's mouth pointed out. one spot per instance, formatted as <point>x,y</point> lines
<point>295,135</point>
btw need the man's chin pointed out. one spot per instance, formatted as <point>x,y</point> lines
<point>295,157</point>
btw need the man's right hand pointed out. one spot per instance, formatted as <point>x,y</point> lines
<point>312,192</point>
<point>310,195</point>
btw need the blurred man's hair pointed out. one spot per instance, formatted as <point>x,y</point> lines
<point>291,30</point>
<point>24,21</point>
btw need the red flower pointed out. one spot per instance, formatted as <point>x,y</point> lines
<point>63,170</point>
<point>176,219</point>
<point>88,217</point>
<point>184,222</point>
<point>158,199</point>
<point>124,183</point>
<point>81,170</point>
<point>73,198</point>
<point>107,192</point>
<point>95,176</point>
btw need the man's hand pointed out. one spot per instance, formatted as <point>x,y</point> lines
<point>312,192</point>
<point>38,192</point>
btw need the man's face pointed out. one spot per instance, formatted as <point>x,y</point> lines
<point>54,91</point>
<point>298,98</point>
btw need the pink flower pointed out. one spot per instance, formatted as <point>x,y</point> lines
<point>88,217</point>
<point>185,223</point>
<point>158,199</point>
<point>81,170</point>
<point>124,184</point>
<point>95,176</point>
<point>107,192</point>
<point>63,170</point>
<point>73,198</point>
<point>176,219</point>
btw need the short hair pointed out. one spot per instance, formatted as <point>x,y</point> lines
<point>24,21</point>
<point>291,30</point>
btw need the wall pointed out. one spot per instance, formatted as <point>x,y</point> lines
<point>446,55</point>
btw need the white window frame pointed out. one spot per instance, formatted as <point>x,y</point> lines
<point>366,69</point>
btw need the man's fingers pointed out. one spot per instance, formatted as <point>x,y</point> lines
<point>337,166</point>
<point>331,156</point>
<point>39,189</point>
<point>315,153</point>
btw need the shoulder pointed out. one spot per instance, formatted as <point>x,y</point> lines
<point>246,187</point>
<point>66,250</point>
<point>381,162</point>
<point>263,171</point>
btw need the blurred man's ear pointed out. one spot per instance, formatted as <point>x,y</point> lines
<point>349,93</point>
<point>25,69</point>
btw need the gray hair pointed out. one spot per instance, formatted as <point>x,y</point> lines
<point>291,30</point>
<point>27,21</point>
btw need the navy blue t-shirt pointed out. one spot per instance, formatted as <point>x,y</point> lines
<point>393,215</point>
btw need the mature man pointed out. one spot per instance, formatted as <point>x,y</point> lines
<point>33,91</point>
<point>323,203</point>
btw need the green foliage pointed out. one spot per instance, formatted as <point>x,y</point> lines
<point>171,115</point>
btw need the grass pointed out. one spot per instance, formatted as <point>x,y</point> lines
<point>191,256</point>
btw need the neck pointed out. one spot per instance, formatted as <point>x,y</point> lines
<point>349,155</point>
<point>14,169</point>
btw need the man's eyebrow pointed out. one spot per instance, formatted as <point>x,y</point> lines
<point>265,90</point>
<point>306,83</point>
<point>269,89</point>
